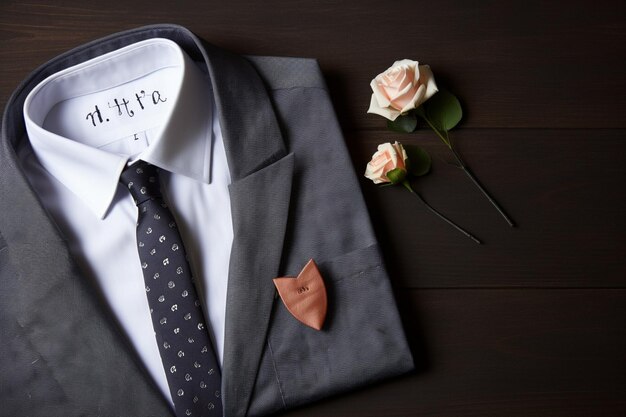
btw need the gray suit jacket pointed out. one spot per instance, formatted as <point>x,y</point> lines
<point>294,196</point>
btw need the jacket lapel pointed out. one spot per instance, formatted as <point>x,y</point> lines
<point>260,206</point>
<point>60,312</point>
<point>260,193</point>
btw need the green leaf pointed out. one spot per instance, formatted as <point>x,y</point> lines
<point>405,123</point>
<point>419,161</point>
<point>444,110</point>
<point>396,175</point>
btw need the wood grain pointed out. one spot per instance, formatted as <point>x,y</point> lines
<point>503,353</point>
<point>564,189</point>
<point>514,64</point>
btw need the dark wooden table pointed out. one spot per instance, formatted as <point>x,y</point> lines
<point>532,323</point>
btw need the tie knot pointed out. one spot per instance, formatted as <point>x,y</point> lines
<point>142,180</point>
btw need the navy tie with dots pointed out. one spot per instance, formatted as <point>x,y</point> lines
<point>179,327</point>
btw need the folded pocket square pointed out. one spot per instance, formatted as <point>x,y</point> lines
<point>305,295</point>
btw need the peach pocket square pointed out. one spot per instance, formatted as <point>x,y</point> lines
<point>305,295</point>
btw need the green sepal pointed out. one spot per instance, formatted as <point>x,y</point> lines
<point>396,175</point>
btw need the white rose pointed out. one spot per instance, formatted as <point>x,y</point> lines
<point>387,158</point>
<point>403,87</point>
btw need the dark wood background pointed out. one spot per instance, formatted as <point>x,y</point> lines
<point>532,323</point>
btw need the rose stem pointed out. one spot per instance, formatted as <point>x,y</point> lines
<point>469,173</point>
<point>441,216</point>
<point>477,183</point>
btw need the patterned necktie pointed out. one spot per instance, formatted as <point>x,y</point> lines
<point>189,360</point>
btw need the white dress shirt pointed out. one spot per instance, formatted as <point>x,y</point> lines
<point>145,101</point>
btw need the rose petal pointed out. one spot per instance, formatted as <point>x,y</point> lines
<point>404,81</point>
<point>401,153</point>
<point>393,75</point>
<point>416,100</point>
<point>404,155</point>
<point>417,74</point>
<point>377,165</point>
<point>392,155</point>
<point>405,98</point>
<point>398,89</point>
<point>381,99</point>
<point>387,157</point>
<point>408,62</point>
<point>386,112</point>
<point>427,78</point>
<point>375,175</point>
<point>393,87</point>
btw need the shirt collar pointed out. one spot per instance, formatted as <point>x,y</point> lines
<point>181,144</point>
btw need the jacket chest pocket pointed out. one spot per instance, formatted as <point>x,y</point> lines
<point>362,339</point>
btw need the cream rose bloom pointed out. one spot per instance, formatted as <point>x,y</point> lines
<point>388,157</point>
<point>403,87</point>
